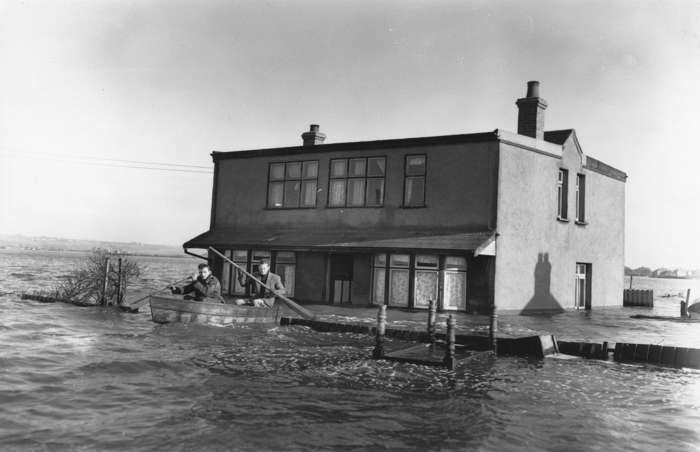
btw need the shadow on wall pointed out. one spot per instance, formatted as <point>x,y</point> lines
<point>542,301</point>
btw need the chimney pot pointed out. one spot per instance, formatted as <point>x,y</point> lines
<point>533,89</point>
<point>313,136</point>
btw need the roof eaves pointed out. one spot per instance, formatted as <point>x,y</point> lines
<point>359,145</point>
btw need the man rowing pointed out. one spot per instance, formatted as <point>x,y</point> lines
<point>262,295</point>
<point>203,286</point>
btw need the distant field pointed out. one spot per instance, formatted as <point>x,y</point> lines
<point>60,244</point>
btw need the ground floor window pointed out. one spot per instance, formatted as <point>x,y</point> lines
<point>454,283</point>
<point>426,280</point>
<point>582,289</point>
<point>229,282</point>
<point>283,264</point>
<point>378,279</point>
<point>399,273</point>
<point>412,280</point>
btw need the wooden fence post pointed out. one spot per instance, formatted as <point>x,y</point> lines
<point>381,330</point>
<point>106,282</point>
<point>493,329</point>
<point>119,283</point>
<point>450,352</point>
<point>432,308</point>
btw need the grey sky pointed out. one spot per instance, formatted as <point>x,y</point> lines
<point>171,81</point>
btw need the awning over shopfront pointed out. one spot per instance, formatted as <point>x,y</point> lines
<point>339,240</point>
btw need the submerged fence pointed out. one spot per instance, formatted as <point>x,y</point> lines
<point>638,297</point>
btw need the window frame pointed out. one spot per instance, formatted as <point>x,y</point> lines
<point>580,214</point>
<point>302,179</point>
<point>563,195</point>
<point>406,176</point>
<point>346,178</point>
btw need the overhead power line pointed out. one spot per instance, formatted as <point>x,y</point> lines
<point>115,163</point>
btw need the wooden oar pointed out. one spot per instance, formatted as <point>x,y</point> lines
<point>5,293</point>
<point>142,300</point>
<point>305,313</point>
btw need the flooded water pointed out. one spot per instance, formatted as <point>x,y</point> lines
<point>95,379</point>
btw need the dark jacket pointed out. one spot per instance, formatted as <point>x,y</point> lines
<point>273,285</point>
<point>204,289</point>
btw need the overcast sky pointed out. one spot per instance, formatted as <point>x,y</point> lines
<point>170,81</point>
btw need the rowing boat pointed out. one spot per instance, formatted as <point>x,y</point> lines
<point>167,309</point>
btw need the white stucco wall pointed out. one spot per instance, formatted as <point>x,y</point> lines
<point>537,254</point>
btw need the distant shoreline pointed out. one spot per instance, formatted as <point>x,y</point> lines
<point>84,251</point>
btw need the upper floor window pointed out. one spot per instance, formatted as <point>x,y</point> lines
<point>357,182</point>
<point>563,194</point>
<point>414,181</point>
<point>292,184</point>
<point>580,198</point>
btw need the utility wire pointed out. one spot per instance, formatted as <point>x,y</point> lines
<point>83,157</point>
<point>105,162</point>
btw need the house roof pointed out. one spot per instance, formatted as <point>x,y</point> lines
<point>359,145</point>
<point>558,136</point>
<point>330,239</point>
<point>555,137</point>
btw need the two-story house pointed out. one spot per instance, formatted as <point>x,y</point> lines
<point>526,221</point>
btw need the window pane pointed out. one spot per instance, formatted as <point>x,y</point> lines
<point>398,288</point>
<point>337,193</point>
<point>455,263</point>
<point>274,194</point>
<point>380,260</point>
<point>426,288</point>
<point>294,170</point>
<point>260,254</point>
<point>225,273</point>
<point>357,167</point>
<point>276,171</point>
<point>310,170</point>
<point>455,291</point>
<point>291,193</point>
<point>287,273</point>
<point>426,261</point>
<point>308,196</point>
<point>375,167</point>
<point>378,286</point>
<point>338,168</point>
<point>240,256</point>
<point>356,192</point>
<point>375,192</point>
<point>415,165</point>
<point>400,260</point>
<point>287,257</point>
<point>415,191</point>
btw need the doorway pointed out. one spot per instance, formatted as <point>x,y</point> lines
<point>341,278</point>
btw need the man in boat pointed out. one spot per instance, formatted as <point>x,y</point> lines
<point>262,295</point>
<point>204,286</point>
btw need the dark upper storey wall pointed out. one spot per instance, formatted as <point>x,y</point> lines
<point>460,188</point>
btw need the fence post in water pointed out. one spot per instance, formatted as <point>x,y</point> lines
<point>381,330</point>
<point>432,308</point>
<point>684,304</point>
<point>450,352</point>
<point>493,327</point>
<point>106,282</point>
<point>119,282</point>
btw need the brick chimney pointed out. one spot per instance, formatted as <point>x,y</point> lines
<point>531,112</point>
<point>313,136</point>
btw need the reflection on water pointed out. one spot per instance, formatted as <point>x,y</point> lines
<point>93,378</point>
